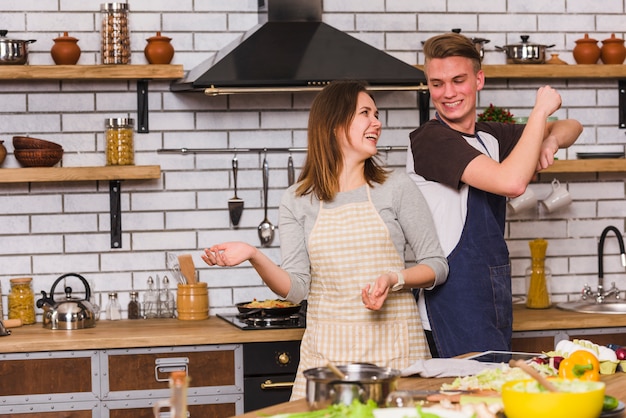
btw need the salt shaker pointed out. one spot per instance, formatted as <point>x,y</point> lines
<point>113,309</point>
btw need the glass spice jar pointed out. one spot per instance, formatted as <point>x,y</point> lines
<point>115,33</point>
<point>22,300</point>
<point>120,148</point>
<point>134,309</point>
<point>113,309</point>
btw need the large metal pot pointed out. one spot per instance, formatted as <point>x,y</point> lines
<point>13,51</point>
<point>525,52</point>
<point>361,382</point>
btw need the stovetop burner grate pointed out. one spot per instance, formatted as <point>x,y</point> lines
<point>265,322</point>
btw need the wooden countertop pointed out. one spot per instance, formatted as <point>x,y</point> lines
<point>554,319</point>
<point>174,332</point>
<point>615,386</point>
<point>138,333</point>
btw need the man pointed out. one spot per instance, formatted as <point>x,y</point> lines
<point>466,170</point>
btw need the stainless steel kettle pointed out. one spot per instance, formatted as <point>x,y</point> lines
<point>70,313</point>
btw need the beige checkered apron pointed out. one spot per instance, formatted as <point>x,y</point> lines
<point>349,247</point>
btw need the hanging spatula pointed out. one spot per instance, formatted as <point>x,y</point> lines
<point>291,172</point>
<point>235,204</point>
<point>187,268</point>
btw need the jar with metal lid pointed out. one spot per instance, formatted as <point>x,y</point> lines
<point>113,309</point>
<point>134,308</point>
<point>22,300</point>
<point>115,33</point>
<point>120,149</point>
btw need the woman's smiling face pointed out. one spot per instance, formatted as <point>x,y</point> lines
<point>364,130</point>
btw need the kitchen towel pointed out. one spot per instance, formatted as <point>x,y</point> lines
<point>447,367</point>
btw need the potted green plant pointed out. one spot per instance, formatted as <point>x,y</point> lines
<point>496,114</point>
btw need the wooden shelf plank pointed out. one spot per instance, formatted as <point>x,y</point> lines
<point>601,165</point>
<point>51,174</point>
<point>552,71</point>
<point>90,72</point>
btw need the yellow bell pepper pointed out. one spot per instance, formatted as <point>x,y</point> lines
<point>581,365</point>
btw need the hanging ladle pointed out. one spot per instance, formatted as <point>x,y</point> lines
<point>266,229</point>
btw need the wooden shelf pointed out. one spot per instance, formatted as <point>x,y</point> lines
<point>50,174</point>
<point>596,71</point>
<point>604,165</point>
<point>90,72</point>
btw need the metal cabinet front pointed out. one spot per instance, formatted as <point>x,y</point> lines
<point>134,376</point>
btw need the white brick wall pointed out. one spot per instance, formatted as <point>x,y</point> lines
<point>48,229</point>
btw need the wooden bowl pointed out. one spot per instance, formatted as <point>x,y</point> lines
<point>26,142</point>
<point>38,157</point>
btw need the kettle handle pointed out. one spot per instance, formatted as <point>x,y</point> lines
<point>87,288</point>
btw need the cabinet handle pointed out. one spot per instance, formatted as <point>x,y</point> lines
<point>164,366</point>
<point>268,384</point>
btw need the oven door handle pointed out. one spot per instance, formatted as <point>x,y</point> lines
<point>268,384</point>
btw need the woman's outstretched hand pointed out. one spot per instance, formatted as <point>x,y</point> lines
<point>228,254</point>
<point>375,294</point>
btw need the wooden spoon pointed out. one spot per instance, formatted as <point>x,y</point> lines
<point>534,374</point>
<point>336,370</point>
<point>187,268</point>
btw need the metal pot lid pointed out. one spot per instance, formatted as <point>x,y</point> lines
<point>4,39</point>
<point>526,43</point>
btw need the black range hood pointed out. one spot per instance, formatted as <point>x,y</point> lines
<point>290,50</point>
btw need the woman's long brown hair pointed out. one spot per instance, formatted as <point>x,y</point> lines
<point>333,109</point>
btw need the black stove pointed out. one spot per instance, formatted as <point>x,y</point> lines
<point>260,322</point>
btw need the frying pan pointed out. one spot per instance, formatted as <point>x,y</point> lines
<point>290,310</point>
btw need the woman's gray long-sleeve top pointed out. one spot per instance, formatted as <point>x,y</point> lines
<point>399,203</point>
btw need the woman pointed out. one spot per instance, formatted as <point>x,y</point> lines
<point>343,231</point>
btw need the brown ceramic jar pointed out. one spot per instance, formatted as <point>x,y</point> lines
<point>65,50</point>
<point>3,152</point>
<point>613,50</point>
<point>586,50</point>
<point>159,49</point>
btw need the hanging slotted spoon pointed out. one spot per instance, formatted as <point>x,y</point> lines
<point>235,204</point>
<point>266,229</point>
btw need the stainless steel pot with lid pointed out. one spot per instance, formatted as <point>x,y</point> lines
<point>362,381</point>
<point>13,51</point>
<point>525,52</point>
<point>70,313</point>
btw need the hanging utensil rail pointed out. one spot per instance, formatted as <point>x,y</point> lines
<point>242,150</point>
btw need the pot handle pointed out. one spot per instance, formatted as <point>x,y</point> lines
<point>499,48</point>
<point>87,288</point>
<point>30,41</point>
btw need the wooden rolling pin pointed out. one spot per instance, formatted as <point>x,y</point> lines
<point>12,323</point>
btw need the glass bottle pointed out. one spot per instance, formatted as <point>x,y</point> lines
<point>115,34</point>
<point>538,276</point>
<point>166,300</point>
<point>22,300</point>
<point>177,403</point>
<point>150,301</point>
<point>113,309</point>
<point>134,308</point>
<point>120,148</point>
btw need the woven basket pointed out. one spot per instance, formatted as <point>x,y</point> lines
<point>28,143</point>
<point>38,157</point>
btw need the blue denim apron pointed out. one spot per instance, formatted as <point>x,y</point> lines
<point>472,310</point>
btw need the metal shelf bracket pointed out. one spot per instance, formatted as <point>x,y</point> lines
<point>115,213</point>
<point>142,106</point>
<point>621,88</point>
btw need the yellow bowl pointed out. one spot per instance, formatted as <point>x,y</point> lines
<point>522,400</point>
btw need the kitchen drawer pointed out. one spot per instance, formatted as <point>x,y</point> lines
<point>45,377</point>
<point>143,373</point>
<point>197,406</point>
<point>51,410</point>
